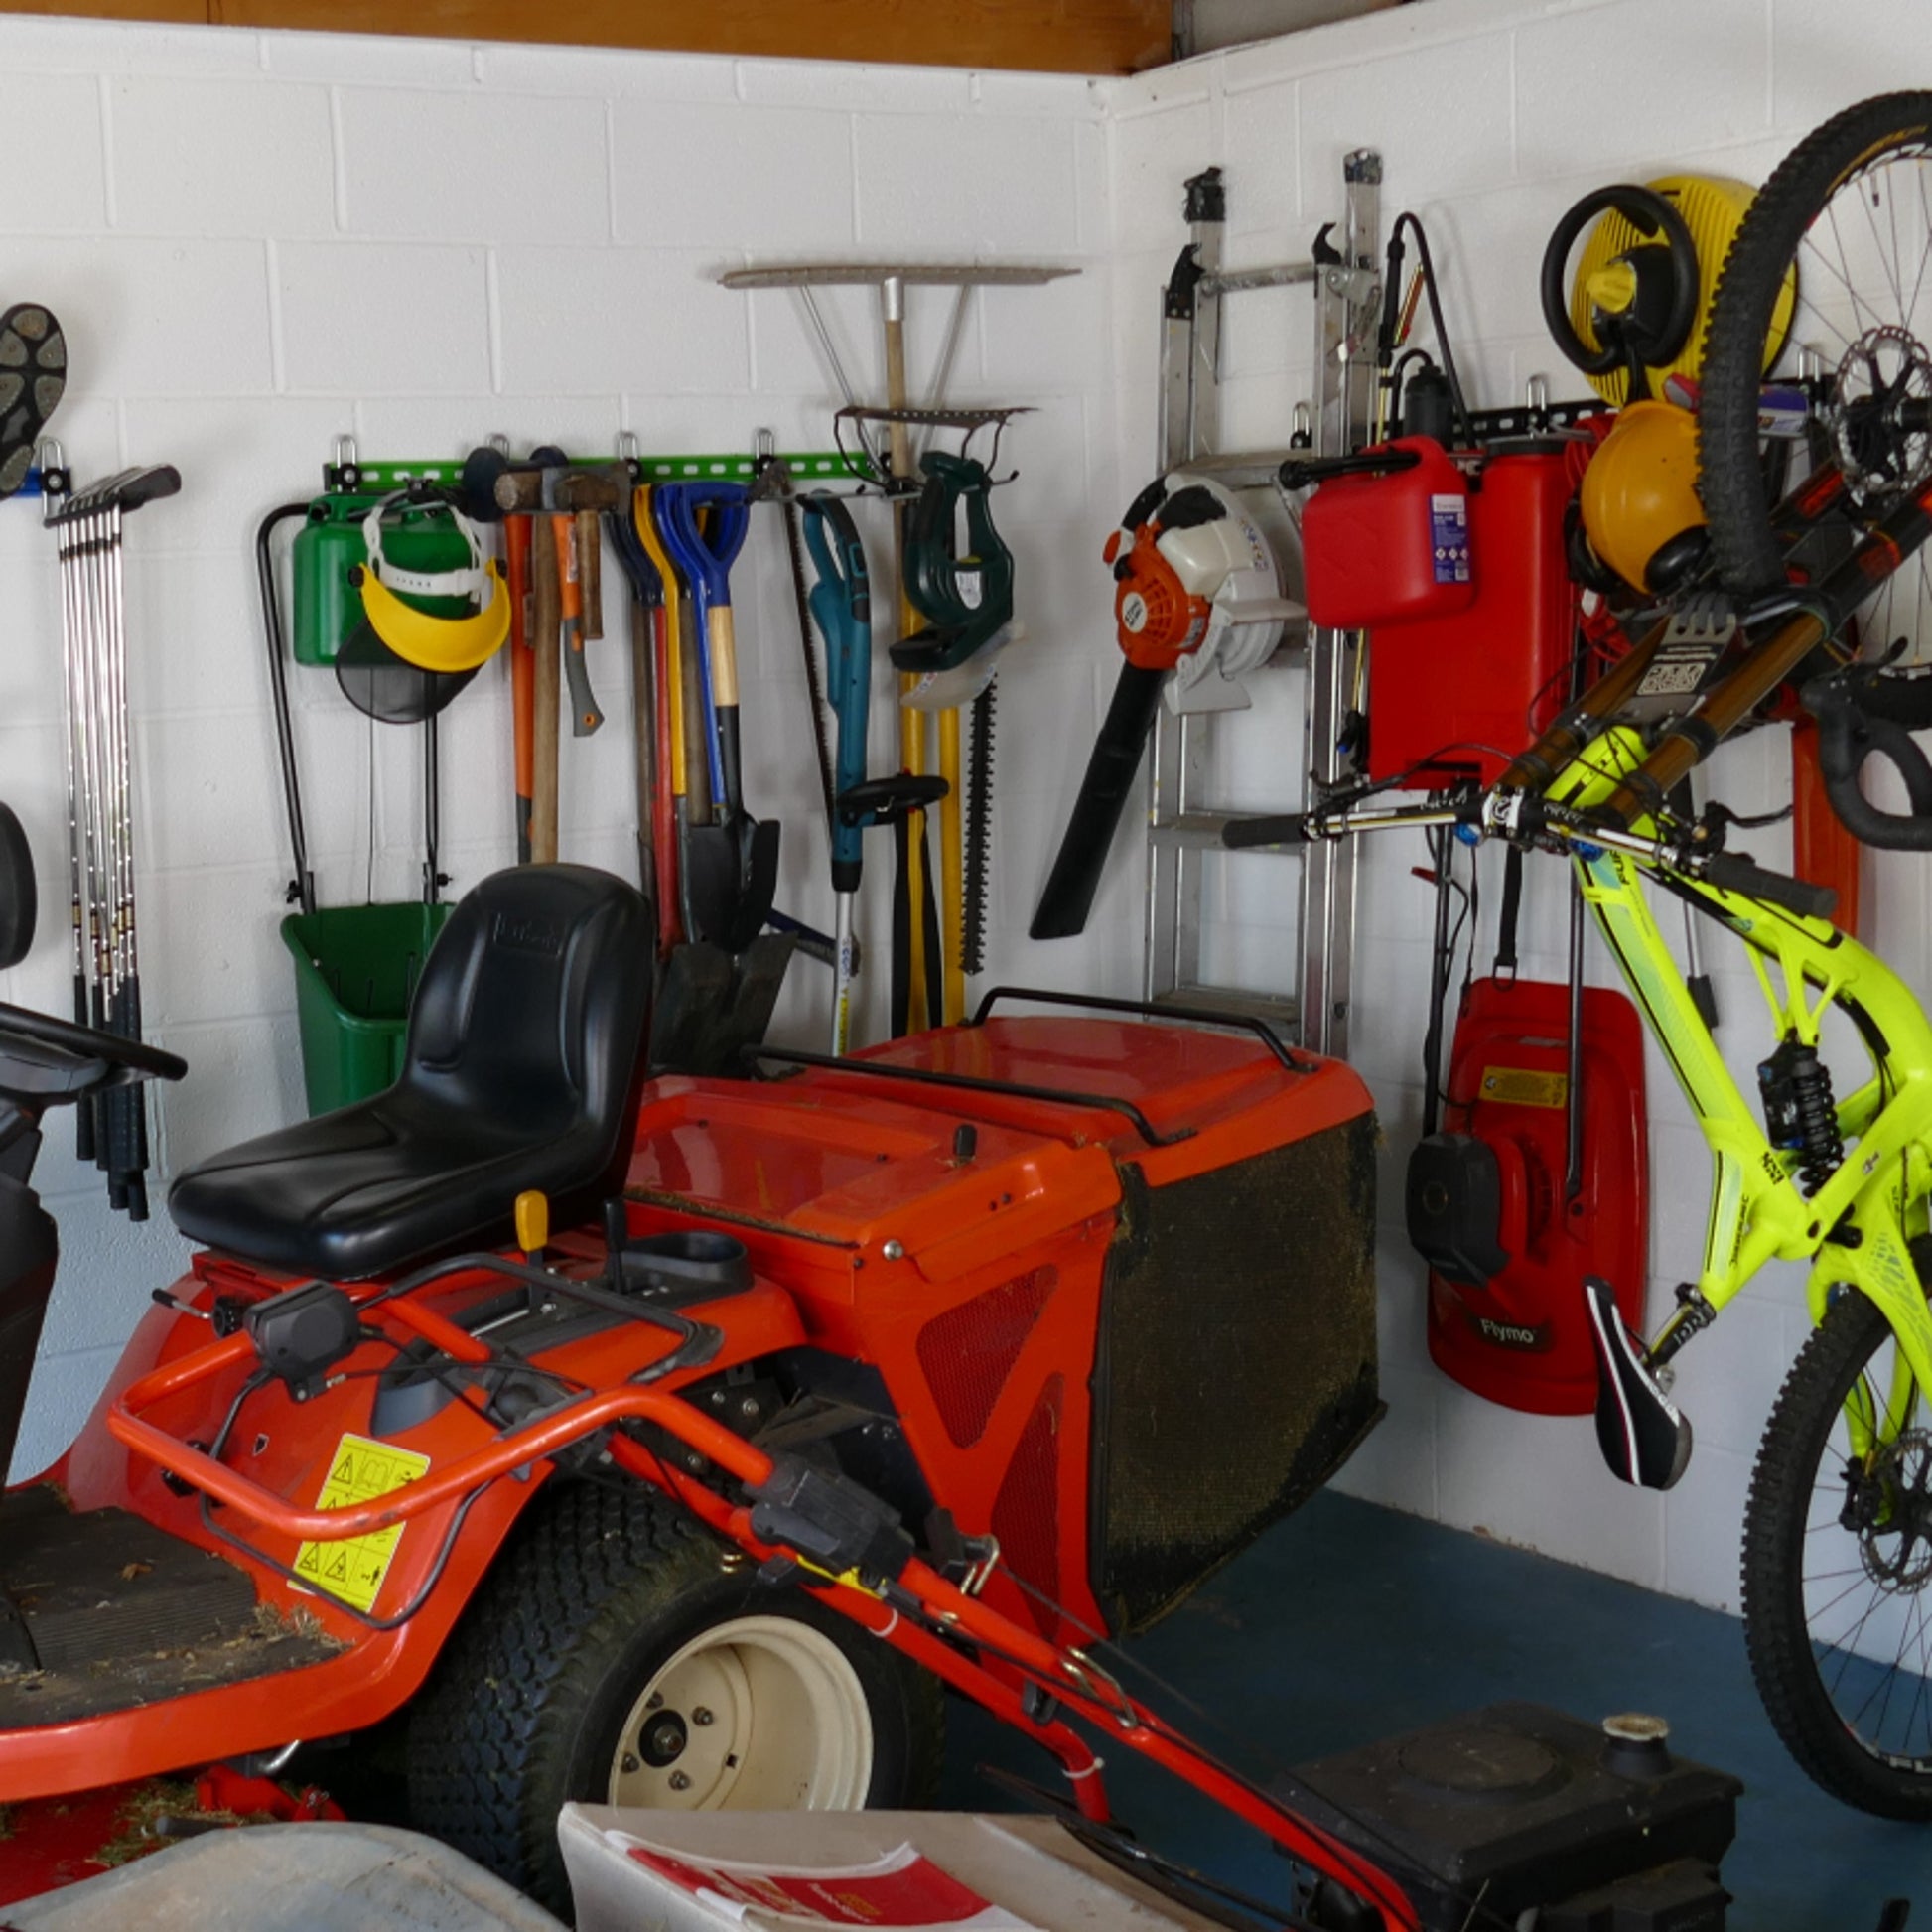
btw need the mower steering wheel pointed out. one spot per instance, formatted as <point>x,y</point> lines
<point>131,1057</point>
<point>1651,214</point>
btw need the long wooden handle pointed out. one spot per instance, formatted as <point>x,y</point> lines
<point>546,619</point>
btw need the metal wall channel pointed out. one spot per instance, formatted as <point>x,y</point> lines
<point>1182,828</point>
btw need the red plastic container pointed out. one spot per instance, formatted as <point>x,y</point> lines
<point>1462,691</point>
<point>1389,549</point>
<point>1522,1339</point>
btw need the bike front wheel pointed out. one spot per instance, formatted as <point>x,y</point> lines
<point>1850,209</point>
<point>1838,1566</point>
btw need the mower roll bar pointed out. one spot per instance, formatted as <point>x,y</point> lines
<point>919,1611</point>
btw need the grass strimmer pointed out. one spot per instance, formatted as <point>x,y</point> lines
<point>673,1442</point>
<point>841,606</point>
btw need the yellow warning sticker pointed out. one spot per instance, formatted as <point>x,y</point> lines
<point>353,1567</point>
<point>1525,1087</point>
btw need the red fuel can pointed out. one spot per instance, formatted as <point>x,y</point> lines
<point>1460,691</point>
<point>1389,549</point>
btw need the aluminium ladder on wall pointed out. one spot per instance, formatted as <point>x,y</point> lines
<point>1181,829</point>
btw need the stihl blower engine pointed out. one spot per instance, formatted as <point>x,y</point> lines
<point>1197,605</point>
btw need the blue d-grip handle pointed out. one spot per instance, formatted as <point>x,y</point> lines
<point>707,568</point>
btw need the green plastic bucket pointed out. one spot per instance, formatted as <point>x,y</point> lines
<point>356,973</point>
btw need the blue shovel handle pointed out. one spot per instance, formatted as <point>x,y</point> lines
<point>707,568</point>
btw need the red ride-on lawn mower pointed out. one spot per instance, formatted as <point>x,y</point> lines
<point>824,1392</point>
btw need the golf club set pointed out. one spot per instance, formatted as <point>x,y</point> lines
<point>111,1128</point>
<point>395,588</point>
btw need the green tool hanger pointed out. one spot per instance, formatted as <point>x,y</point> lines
<point>379,477</point>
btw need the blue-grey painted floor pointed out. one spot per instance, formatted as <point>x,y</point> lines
<point>1350,1622</point>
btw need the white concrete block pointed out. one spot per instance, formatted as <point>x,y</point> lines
<point>1059,97</point>
<point>245,1079</point>
<point>1704,1527</point>
<point>150,317</point>
<point>943,188</point>
<point>1440,118</point>
<point>55,178</point>
<point>208,791</point>
<point>1155,154</point>
<point>110,1267</point>
<point>238,459</point>
<point>1565,120</point>
<point>787,187</point>
<point>588,321</point>
<point>599,73</point>
<point>369,60</point>
<point>211,949</point>
<point>63,1390</point>
<point>845,85</point>
<point>433,166</point>
<point>1093,186</point>
<point>1396,1466</point>
<point>220,157</point>
<point>1539,1481</point>
<point>1263,174</point>
<point>127,47</point>
<point>340,308</point>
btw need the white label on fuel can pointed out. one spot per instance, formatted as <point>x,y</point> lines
<point>1449,538</point>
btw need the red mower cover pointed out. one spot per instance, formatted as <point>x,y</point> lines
<point>1507,1315</point>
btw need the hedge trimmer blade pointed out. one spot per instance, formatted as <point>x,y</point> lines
<point>979,833</point>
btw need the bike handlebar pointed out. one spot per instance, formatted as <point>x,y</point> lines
<point>1732,872</point>
<point>1288,828</point>
<point>1737,874</point>
<point>1862,716</point>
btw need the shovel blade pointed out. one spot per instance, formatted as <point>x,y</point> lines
<point>711,888</point>
<point>756,848</point>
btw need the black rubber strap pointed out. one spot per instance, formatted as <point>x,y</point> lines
<point>1505,966</point>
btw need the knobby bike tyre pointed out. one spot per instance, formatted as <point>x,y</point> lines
<point>1730,479</point>
<point>1795,1543</point>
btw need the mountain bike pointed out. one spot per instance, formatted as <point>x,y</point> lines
<point>1819,497</point>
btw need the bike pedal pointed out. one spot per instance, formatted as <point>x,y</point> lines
<point>1645,1437</point>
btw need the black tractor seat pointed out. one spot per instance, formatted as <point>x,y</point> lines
<point>521,1069</point>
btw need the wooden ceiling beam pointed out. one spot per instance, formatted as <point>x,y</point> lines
<point>1045,36</point>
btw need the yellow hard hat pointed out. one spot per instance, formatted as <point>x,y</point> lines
<point>1639,497</point>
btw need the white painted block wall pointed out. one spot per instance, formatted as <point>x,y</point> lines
<point>256,241</point>
<point>1492,117</point>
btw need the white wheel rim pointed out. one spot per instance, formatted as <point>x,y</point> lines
<point>757,1713</point>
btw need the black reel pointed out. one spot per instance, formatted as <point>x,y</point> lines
<point>1653,327</point>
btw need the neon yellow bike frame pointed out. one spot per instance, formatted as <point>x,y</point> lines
<point>1854,1230</point>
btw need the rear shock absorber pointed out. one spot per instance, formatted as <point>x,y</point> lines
<point>1800,1115</point>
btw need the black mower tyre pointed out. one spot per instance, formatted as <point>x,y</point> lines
<point>1731,477</point>
<point>1779,1533</point>
<point>601,1593</point>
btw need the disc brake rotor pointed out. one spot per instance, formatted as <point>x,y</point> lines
<point>1881,413</point>
<point>1888,1507</point>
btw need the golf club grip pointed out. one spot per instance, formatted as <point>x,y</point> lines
<point>84,1109</point>
<point>149,485</point>
<point>1737,874</point>
<point>1082,857</point>
<point>1683,745</point>
<point>1286,828</point>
